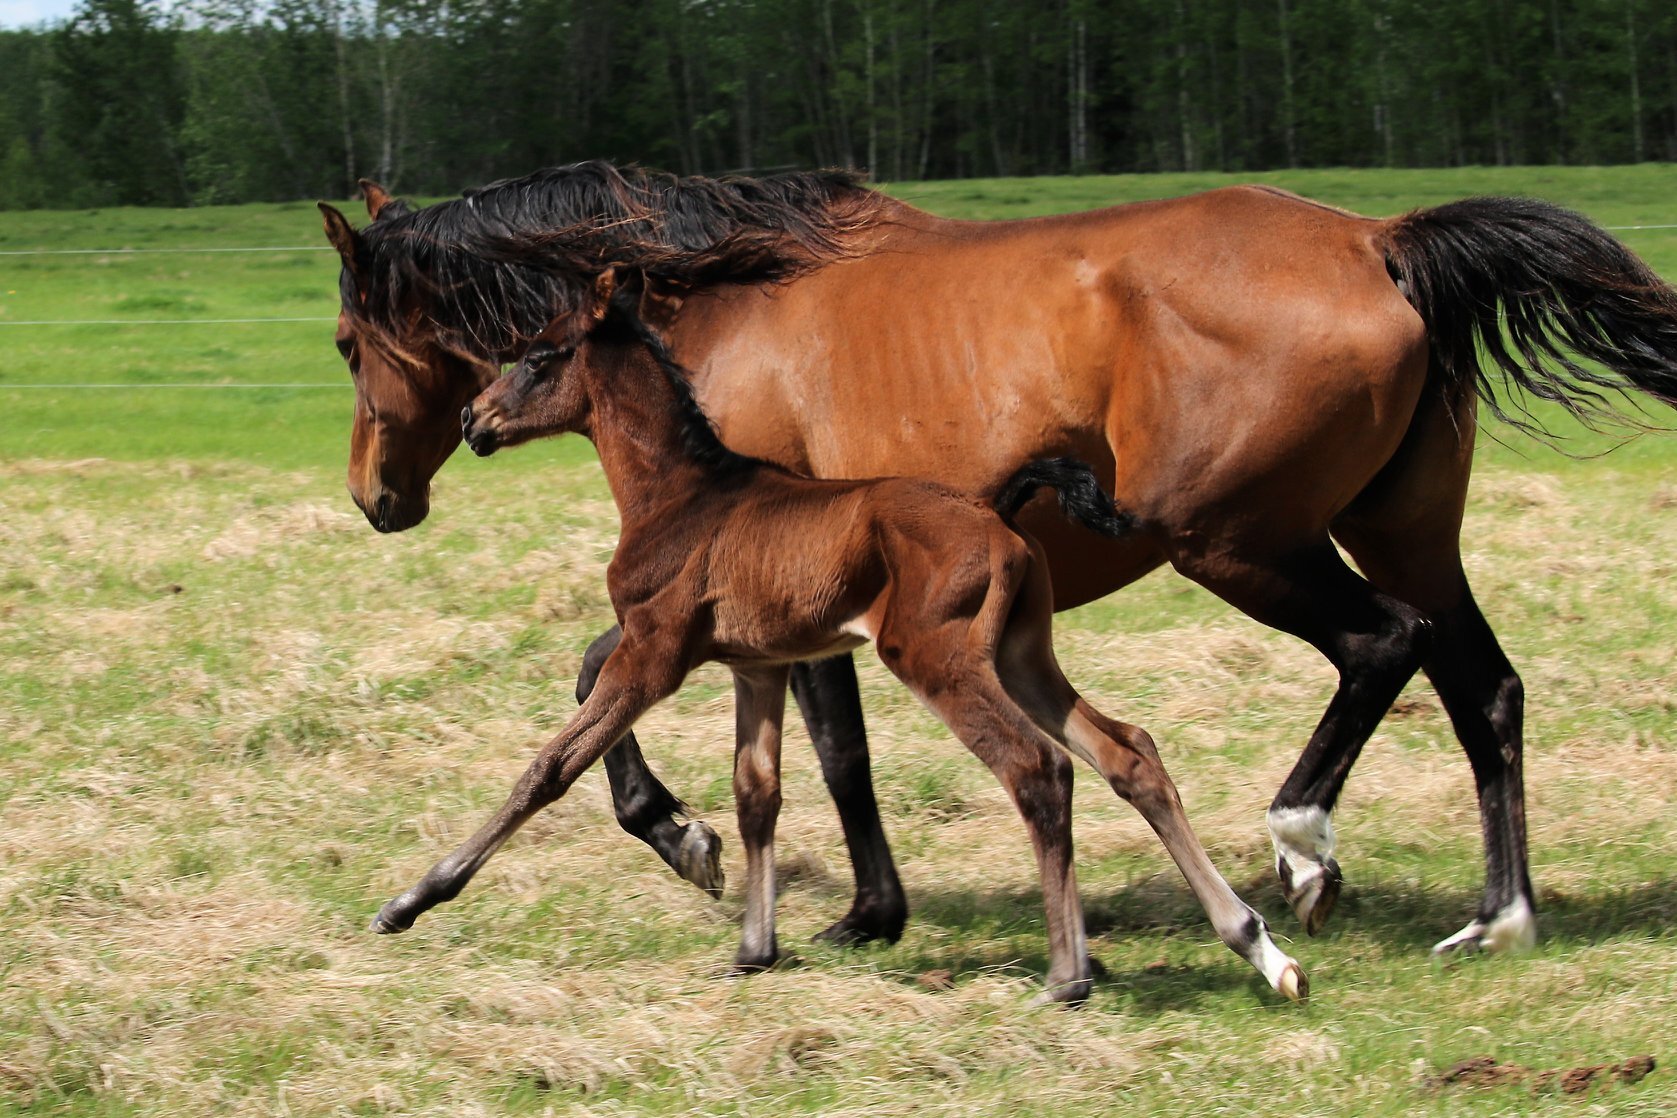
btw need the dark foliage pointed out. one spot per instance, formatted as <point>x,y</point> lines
<point>227,100</point>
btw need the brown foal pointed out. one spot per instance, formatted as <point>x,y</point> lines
<point>728,558</point>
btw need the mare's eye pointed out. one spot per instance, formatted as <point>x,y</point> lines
<point>347,348</point>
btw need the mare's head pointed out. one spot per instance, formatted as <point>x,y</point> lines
<point>546,393</point>
<point>410,380</point>
<point>434,300</point>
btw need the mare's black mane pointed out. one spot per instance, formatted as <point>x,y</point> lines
<point>488,270</point>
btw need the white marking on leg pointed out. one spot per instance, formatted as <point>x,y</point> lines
<point>1279,969</point>
<point>1303,840</point>
<point>1512,929</point>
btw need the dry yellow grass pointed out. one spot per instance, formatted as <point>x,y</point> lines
<point>237,721</point>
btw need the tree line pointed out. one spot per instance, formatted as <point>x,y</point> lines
<point>208,101</point>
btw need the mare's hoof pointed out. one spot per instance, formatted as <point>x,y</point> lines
<point>1513,929</point>
<point>1293,984</point>
<point>861,925</point>
<point>1313,894</point>
<point>699,858</point>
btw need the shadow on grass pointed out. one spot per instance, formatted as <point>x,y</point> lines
<point>1005,930</point>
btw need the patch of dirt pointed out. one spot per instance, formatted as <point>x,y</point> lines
<point>1487,1071</point>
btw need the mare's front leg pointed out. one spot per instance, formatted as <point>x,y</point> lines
<point>759,710</point>
<point>644,807</point>
<point>831,704</point>
<point>636,676</point>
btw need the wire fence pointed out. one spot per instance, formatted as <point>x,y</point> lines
<point>203,249</point>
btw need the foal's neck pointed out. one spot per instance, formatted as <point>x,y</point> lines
<point>656,447</point>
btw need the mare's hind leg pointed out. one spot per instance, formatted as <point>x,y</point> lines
<point>1374,640</point>
<point>644,807</point>
<point>831,704</point>
<point>634,678</point>
<point>1485,701</point>
<point>1404,531</point>
<point>759,709</point>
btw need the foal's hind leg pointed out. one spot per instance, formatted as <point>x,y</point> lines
<point>946,657</point>
<point>1128,760</point>
<point>644,807</point>
<point>1374,640</point>
<point>832,708</point>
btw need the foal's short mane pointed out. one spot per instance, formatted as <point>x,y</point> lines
<point>623,324</point>
<point>488,270</point>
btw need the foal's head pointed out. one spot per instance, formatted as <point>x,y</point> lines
<point>545,393</point>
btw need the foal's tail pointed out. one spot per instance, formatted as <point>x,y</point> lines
<point>1560,308</point>
<point>1081,497</point>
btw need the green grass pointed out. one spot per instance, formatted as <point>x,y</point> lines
<point>233,720</point>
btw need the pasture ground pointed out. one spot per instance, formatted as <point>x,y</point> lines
<point>233,720</point>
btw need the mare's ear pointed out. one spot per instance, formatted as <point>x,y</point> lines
<point>377,197</point>
<point>605,286</point>
<point>342,235</point>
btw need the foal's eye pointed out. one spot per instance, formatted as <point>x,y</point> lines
<point>539,362</point>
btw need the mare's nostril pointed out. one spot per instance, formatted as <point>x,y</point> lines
<point>465,417</point>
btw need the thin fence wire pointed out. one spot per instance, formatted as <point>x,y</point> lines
<point>64,387</point>
<point>148,251</point>
<point>329,248</point>
<point>155,321</point>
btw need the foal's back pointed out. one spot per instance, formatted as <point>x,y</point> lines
<point>791,568</point>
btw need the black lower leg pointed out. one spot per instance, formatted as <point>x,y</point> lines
<point>1486,702</point>
<point>831,705</point>
<point>644,807</point>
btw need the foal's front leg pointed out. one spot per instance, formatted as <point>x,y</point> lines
<point>631,681</point>
<point>759,710</point>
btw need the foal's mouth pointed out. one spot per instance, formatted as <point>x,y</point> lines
<point>478,433</point>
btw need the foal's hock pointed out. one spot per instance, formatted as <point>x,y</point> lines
<point>727,558</point>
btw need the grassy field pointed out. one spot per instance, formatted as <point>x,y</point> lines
<point>233,720</point>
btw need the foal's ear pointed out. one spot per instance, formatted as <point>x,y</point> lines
<point>605,285</point>
<point>341,234</point>
<point>377,197</point>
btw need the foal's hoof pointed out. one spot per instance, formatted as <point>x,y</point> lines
<point>1293,985</point>
<point>1071,993</point>
<point>744,966</point>
<point>389,923</point>
<point>699,858</point>
<point>1311,893</point>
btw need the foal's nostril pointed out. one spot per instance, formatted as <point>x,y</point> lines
<point>466,417</point>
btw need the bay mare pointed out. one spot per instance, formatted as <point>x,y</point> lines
<point>1255,375</point>
<point>726,558</point>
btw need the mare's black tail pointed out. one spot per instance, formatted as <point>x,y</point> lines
<point>1081,497</point>
<point>1561,309</point>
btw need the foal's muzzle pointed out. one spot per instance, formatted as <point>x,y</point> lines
<point>480,439</point>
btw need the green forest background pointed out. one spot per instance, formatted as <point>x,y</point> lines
<point>210,102</point>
